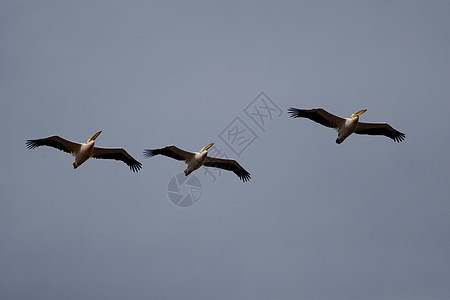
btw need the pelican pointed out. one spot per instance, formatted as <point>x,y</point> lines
<point>83,152</point>
<point>347,126</point>
<point>195,160</point>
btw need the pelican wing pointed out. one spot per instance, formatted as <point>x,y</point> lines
<point>170,151</point>
<point>227,164</point>
<point>318,115</point>
<point>117,154</point>
<point>379,129</point>
<point>55,142</point>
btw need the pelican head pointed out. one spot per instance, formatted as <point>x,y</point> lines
<point>207,147</point>
<point>356,114</point>
<point>94,136</point>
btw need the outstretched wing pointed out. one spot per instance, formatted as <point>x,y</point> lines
<point>379,129</point>
<point>229,165</point>
<point>117,154</point>
<point>55,142</point>
<point>318,115</point>
<point>169,151</point>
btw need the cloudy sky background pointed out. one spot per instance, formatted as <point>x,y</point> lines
<point>367,219</point>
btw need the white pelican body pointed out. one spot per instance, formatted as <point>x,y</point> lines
<point>346,126</point>
<point>195,160</point>
<point>83,152</point>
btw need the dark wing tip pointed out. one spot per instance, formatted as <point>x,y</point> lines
<point>245,176</point>
<point>294,112</point>
<point>31,144</point>
<point>400,137</point>
<point>148,153</point>
<point>135,166</point>
<point>242,174</point>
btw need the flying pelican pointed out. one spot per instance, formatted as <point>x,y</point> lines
<point>195,160</point>
<point>83,152</point>
<point>347,126</point>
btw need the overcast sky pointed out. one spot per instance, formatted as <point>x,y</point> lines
<point>367,219</point>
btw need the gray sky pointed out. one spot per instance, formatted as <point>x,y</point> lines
<point>367,219</point>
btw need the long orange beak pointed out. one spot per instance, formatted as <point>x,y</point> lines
<point>94,136</point>
<point>359,113</point>
<point>207,147</point>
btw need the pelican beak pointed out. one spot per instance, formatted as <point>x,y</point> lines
<point>359,113</point>
<point>94,136</point>
<point>207,147</point>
